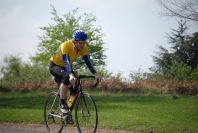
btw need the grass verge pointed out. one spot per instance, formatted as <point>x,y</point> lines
<point>133,112</point>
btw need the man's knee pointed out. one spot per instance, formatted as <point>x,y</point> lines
<point>64,86</point>
<point>65,79</point>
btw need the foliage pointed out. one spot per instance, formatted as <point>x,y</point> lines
<point>15,71</point>
<point>138,75</point>
<point>102,71</point>
<point>165,58</point>
<point>62,30</point>
<point>182,58</point>
<point>184,72</point>
<point>12,68</point>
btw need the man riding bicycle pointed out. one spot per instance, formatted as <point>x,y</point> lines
<point>61,64</point>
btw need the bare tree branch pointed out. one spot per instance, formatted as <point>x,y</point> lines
<point>187,9</point>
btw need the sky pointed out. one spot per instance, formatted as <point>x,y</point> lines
<point>133,28</point>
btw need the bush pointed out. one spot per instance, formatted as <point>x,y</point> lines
<point>182,71</point>
<point>136,76</point>
<point>15,72</point>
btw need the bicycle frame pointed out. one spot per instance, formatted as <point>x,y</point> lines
<point>55,115</point>
<point>81,101</point>
<point>80,94</point>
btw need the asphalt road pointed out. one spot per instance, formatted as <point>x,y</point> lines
<point>14,130</point>
<point>38,128</point>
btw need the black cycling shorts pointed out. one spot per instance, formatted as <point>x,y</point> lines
<point>59,73</point>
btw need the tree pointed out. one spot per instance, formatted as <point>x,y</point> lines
<point>11,70</point>
<point>136,76</point>
<point>177,38</point>
<point>62,30</point>
<point>162,61</point>
<point>183,53</point>
<point>186,9</point>
<point>16,71</point>
<point>166,58</point>
<point>192,50</point>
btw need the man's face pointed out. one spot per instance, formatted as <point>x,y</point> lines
<point>79,44</point>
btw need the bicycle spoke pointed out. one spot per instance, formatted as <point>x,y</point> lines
<point>86,115</point>
<point>52,115</point>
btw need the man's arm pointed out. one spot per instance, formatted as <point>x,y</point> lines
<point>89,64</point>
<point>67,64</point>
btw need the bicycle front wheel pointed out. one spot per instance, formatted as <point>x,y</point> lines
<point>52,114</point>
<point>86,114</point>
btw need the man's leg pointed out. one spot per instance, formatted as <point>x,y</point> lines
<point>63,90</point>
<point>64,107</point>
<point>62,79</point>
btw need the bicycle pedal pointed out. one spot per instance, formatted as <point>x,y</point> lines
<point>69,120</point>
<point>65,115</point>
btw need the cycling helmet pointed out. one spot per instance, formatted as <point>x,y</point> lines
<point>80,36</point>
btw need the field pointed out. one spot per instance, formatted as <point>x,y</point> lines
<point>125,111</point>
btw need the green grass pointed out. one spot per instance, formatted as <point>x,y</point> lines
<point>139,113</point>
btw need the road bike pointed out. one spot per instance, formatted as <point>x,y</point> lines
<point>84,106</point>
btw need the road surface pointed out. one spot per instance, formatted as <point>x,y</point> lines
<point>38,128</point>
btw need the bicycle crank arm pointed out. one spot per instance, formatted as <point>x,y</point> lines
<point>55,115</point>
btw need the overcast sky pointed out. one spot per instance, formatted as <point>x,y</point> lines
<point>133,28</point>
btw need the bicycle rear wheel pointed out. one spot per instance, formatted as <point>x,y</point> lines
<point>86,114</point>
<point>52,114</point>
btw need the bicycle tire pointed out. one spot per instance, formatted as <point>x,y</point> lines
<point>53,124</point>
<point>86,114</point>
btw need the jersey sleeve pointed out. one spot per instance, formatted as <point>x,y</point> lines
<point>89,64</point>
<point>67,64</point>
<point>65,48</point>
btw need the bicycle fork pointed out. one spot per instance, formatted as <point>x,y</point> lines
<point>83,104</point>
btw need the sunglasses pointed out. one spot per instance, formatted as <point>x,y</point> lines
<point>81,42</point>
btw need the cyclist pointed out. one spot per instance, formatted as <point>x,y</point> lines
<point>61,64</point>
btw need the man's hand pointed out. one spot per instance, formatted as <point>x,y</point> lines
<point>72,79</point>
<point>98,78</point>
